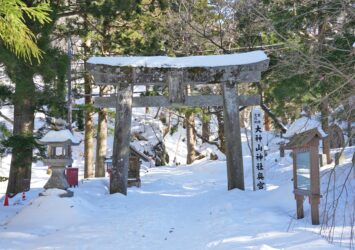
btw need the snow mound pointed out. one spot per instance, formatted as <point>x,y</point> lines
<point>53,191</point>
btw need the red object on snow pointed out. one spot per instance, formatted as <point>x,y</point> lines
<point>6,202</point>
<point>72,176</point>
<point>109,169</point>
<point>108,163</point>
<point>23,196</point>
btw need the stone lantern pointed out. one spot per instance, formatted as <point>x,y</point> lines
<point>58,145</point>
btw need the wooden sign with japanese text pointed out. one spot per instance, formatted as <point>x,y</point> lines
<point>258,157</point>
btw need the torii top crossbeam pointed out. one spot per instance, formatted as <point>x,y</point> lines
<point>242,67</point>
<point>181,62</point>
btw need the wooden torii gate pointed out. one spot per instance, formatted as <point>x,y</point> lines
<point>176,74</point>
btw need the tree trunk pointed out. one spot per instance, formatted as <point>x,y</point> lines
<point>267,121</point>
<point>350,119</point>
<point>324,107</point>
<point>220,122</point>
<point>168,125</point>
<point>190,137</point>
<point>89,123</point>
<point>284,119</point>
<point>206,127</point>
<point>101,141</point>
<point>146,93</point>
<point>89,129</point>
<point>349,128</point>
<point>190,133</point>
<point>21,161</point>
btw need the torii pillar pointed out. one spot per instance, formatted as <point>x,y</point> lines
<point>235,172</point>
<point>120,156</point>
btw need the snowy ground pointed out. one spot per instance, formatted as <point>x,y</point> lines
<point>184,207</point>
<point>177,207</point>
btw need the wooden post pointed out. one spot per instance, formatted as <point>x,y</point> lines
<point>314,209</point>
<point>314,198</point>
<point>282,149</point>
<point>190,134</point>
<point>120,157</point>
<point>299,205</point>
<point>232,136</point>
<point>299,198</point>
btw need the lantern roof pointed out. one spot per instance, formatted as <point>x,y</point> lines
<point>60,136</point>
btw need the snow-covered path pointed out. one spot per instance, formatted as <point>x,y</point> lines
<point>176,208</point>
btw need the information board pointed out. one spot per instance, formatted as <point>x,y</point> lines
<point>303,170</point>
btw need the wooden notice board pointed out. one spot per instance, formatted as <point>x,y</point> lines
<point>306,180</point>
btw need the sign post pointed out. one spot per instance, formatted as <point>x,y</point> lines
<point>306,180</point>
<point>257,144</point>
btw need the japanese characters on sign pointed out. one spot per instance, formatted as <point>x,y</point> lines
<point>257,128</point>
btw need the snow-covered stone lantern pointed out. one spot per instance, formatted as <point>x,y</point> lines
<point>58,144</point>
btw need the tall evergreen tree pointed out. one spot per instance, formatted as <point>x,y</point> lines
<point>316,56</point>
<point>14,32</point>
<point>27,98</point>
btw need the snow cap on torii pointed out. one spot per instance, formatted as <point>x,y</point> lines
<point>181,62</point>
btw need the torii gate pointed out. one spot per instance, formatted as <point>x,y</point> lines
<point>177,73</point>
